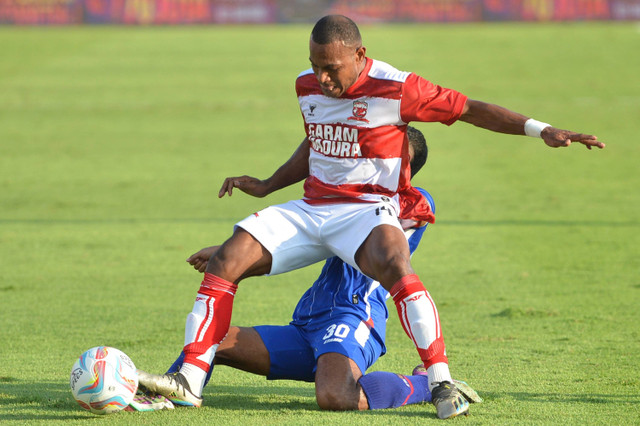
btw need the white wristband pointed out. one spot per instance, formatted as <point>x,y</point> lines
<point>533,127</point>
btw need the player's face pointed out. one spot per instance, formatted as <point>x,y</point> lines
<point>336,66</point>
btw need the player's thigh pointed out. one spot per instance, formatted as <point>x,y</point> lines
<point>244,349</point>
<point>353,227</point>
<point>337,383</point>
<point>289,233</point>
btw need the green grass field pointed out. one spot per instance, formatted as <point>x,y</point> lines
<point>114,142</point>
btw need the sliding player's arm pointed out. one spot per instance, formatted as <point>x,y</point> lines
<point>293,171</point>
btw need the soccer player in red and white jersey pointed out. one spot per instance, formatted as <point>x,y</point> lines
<point>356,111</point>
<point>340,320</point>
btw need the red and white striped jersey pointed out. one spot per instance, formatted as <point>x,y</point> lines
<point>359,148</point>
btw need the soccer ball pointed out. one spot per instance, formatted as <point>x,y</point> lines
<point>103,380</point>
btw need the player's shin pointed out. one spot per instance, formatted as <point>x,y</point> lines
<point>206,326</point>
<point>420,320</point>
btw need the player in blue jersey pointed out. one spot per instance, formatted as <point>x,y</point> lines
<point>337,332</point>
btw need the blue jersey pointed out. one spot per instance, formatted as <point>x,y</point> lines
<point>342,290</point>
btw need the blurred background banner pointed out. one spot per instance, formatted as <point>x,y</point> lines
<point>163,12</point>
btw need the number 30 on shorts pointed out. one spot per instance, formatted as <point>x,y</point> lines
<point>337,330</point>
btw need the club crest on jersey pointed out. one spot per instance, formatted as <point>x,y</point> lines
<point>359,111</point>
<point>311,109</point>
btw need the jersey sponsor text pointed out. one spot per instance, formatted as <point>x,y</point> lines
<point>334,140</point>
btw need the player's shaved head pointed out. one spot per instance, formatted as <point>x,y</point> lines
<point>332,28</point>
<point>336,54</point>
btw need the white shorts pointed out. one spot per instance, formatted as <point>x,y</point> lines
<point>298,234</point>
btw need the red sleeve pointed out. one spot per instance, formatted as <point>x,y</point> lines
<point>427,102</point>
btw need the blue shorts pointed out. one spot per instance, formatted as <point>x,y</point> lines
<point>294,349</point>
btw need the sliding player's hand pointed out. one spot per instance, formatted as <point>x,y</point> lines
<point>200,259</point>
<point>247,184</point>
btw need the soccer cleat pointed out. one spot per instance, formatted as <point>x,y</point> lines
<point>467,391</point>
<point>144,402</point>
<point>419,370</point>
<point>449,401</point>
<point>173,386</point>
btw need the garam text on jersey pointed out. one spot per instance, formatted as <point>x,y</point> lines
<point>334,140</point>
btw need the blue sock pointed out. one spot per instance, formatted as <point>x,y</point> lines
<point>390,390</point>
<point>178,363</point>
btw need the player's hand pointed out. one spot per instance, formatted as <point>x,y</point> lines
<point>200,259</point>
<point>556,138</point>
<point>247,184</point>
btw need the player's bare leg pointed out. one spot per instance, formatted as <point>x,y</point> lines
<point>241,256</point>
<point>337,385</point>
<point>244,349</point>
<point>385,256</point>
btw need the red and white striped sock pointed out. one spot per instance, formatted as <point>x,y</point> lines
<point>420,320</point>
<point>206,326</point>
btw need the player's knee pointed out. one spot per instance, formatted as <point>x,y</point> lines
<point>240,257</point>
<point>336,400</point>
<point>397,262</point>
<point>391,267</point>
<point>387,260</point>
<point>218,265</point>
<point>228,266</point>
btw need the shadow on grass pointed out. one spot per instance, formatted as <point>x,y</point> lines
<point>49,401</point>
<point>22,401</point>
<point>248,397</point>
<point>561,397</point>
<point>292,399</point>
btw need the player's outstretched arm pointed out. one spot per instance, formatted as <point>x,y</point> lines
<point>502,120</point>
<point>293,171</point>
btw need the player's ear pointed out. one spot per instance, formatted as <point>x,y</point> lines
<point>361,53</point>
